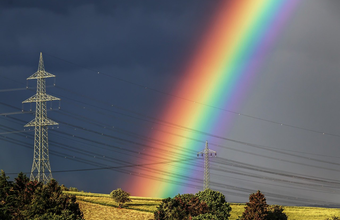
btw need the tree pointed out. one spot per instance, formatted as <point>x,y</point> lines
<point>275,212</point>
<point>51,200</point>
<point>216,203</point>
<point>5,186</point>
<point>25,199</point>
<point>256,208</point>
<point>183,206</point>
<point>120,196</point>
<point>207,204</point>
<point>206,216</point>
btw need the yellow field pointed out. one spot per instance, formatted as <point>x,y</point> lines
<point>136,204</point>
<point>100,212</point>
<point>294,212</point>
<point>101,206</point>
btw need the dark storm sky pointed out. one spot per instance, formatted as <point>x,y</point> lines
<point>148,43</point>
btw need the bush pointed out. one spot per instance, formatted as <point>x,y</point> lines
<point>120,196</point>
<point>73,189</point>
<point>207,204</point>
<point>256,208</point>
<point>275,212</point>
<point>206,216</point>
<point>25,199</point>
<point>180,207</point>
<point>216,203</point>
<point>64,188</point>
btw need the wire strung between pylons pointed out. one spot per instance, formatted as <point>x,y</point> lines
<point>309,200</point>
<point>252,166</point>
<point>269,157</point>
<point>235,162</point>
<point>193,101</point>
<point>294,151</point>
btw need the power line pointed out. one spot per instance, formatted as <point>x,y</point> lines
<point>182,127</point>
<point>244,143</point>
<point>227,186</point>
<point>234,163</point>
<point>17,113</point>
<point>200,103</point>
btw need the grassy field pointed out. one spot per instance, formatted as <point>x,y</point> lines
<point>101,206</point>
<point>93,211</point>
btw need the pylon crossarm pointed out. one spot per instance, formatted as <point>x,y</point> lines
<point>209,151</point>
<point>40,75</point>
<point>41,98</point>
<point>44,122</point>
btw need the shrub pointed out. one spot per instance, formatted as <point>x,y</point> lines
<point>64,188</point>
<point>73,189</point>
<point>207,204</point>
<point>275,212</point>
<point>256,208</point>
<point>216,203</point>
<point>206,216</point>
<point>180,207</point>
<point>120,196</point>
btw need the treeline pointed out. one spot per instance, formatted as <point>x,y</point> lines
<point>23,199</point>
<point>211,205</point>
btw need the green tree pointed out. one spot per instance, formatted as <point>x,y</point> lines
<point>208,204</point>
<point>120,196</point>
<point>25,199</point>
<point>5,203</point>
<point>183,206</point>
<point>256,208</point>
<point>206,216</point>
<point>275,212</point>
<point>50,199</point>
<point>216,203</point>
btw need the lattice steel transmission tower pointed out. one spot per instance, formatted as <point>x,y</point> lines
<point>41,168</point>
<point>205,153</point>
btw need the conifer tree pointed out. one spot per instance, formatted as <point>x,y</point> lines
<point>256,208</point>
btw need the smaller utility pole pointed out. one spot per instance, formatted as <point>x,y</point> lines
<point>206,152</point>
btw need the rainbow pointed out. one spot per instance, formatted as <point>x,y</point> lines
<point>234,48</point>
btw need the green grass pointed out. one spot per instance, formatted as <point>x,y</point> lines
<point>147,204</point>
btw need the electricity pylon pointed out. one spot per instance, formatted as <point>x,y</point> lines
<point>205,153</point>
<point>41,168</point>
